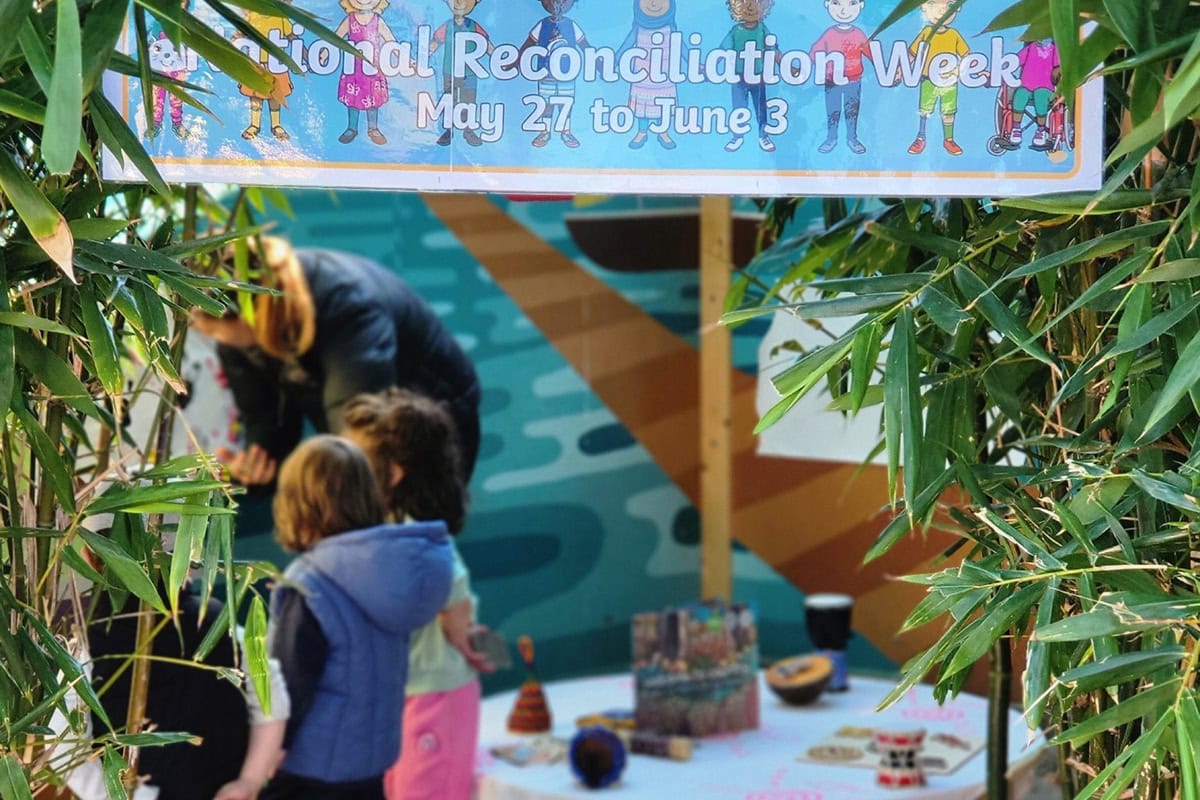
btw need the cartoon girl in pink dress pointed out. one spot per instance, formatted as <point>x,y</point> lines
<point>359,91</point>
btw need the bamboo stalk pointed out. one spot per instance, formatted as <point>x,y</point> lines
<point>139,689</point>
<point>999,698</point>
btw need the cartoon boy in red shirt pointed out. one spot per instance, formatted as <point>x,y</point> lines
<point>848,39</point>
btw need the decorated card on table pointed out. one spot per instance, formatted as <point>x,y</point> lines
<point>851,746</point>
<point>695,670</point>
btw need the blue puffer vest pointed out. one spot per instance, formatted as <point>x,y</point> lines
<point>369,590</point>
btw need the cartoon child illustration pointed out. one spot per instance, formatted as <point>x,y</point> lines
<point>165,58</point>
<point>357,90</point>
<point>940,39</point>
<point>464,89</point>
<point>553,32</point>
<point>653,23</point>
<point>749,14</point>
<point>844,101</point>
<point>1040,72</point>
<point>281,86</point>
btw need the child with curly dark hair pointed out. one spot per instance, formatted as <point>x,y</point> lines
<point>413,447</point>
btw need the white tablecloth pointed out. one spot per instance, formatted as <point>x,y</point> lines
<point>755,765</point>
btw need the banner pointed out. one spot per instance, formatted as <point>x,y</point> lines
<point>746,97</point>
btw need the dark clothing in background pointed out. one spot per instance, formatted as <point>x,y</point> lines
<point>373,332</point>
<point>285,786</point>
<point>182,699</point>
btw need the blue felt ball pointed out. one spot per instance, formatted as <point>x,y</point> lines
<point>597,757</point>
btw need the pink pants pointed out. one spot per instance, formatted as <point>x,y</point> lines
<point>437,759</point>
<point>162,96</point>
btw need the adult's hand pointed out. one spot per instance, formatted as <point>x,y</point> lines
<point>232,331</point>
<point>253,467</point>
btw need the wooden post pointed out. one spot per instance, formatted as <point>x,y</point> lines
<point>716,401</point>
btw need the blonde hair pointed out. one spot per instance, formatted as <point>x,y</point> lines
<point>350,8</point>
<point>326,487</point>
<point>285,324</point>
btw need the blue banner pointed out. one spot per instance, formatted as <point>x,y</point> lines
<point>641,96</point>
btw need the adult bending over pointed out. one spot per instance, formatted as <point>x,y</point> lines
<point>342,325</point>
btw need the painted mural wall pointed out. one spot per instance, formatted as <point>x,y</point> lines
<point>575,524</point>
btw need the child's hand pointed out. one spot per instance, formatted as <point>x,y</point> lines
<point>241,789</point>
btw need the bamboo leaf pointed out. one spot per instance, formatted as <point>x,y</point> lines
<point>1187,731</point>
<point>189,537</point>
<point>114,765</point>
<point>996,621</point>
<point>1103,285</point>
<point>49,368</point>
<point>1098,623</point>
<point>1129,762</point>
<point>1144,703</point>
<point>908,282</point>
<point>1084,203</point>
<point>54,468</point>
<point>1089,249</point>
<point>13,785</point>
<point>778,411</point>
<point>999,315</point>
<point>256,652</point>
<point>1037,664</point>
<point>864,357</point>
<point>103,343</point>
<point>101,32</point>
<point>64,109</point>
<point>224,55</point>
<point>1158,325</point>
<point>1065,21</point>
<point>36,55</point>
<point>19,319</point>
<point>902,523</point>
<point>127,571</point>
<point>12,18</point>
<point>1161,490</point>
<point>944,312</point>
<point>122,499</point>
<point>71,669</point>
<point>820,309</point>
<point>8,355</point>
<point>1119,669</point>
<point>48,227</point>
<point>1180,270</point>
<point>1028,544</point>
<point>940,245</point>
<point>120,139</point>
<point>1184,375</point>
<point>903,368</point>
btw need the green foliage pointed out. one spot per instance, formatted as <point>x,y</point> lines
<point>97,281</point>
<point>1042,356</point>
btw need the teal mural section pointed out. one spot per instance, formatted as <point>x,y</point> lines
<point>573,527</point>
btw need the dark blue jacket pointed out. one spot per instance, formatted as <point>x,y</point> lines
<point>368,590</point>
<point>373,332</point>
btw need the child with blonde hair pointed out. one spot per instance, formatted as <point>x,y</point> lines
<point>413,447</point>
<point>342,619</point>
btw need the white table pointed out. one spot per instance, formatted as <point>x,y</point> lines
<point>755,765</point>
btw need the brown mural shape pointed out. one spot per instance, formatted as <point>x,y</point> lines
<point>812,521</point>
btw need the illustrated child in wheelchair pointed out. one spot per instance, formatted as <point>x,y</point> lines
<point>1038,96</point>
